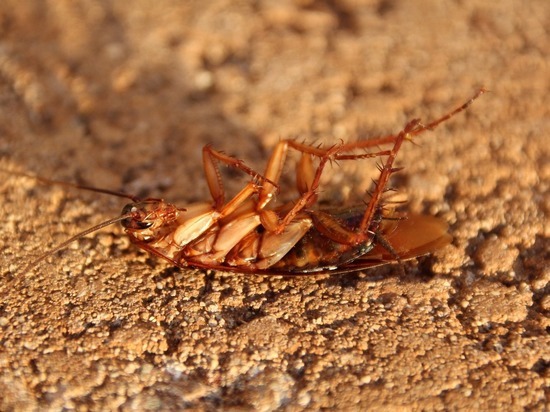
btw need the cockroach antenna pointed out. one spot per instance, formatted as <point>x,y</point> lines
<point>71,185</point>
<point>92,229</point>
<point>67,242</point>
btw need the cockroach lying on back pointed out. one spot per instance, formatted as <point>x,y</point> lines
<point>252,234</point>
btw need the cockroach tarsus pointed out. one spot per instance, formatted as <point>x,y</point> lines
<point>250,233</point>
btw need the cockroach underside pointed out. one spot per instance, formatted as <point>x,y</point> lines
<point>252,233</point>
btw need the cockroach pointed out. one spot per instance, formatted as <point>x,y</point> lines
<point>251,233</point>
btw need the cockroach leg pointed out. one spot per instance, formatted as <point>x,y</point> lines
<point>308,178</point>
<point>197,225</point>
<point>324,222</point>
<point>413,128</point>
<point>276,163</point>
<point>308,197</point>
<point>381,183</point>
<point>272,174</point>
<point>213,176</point>
<point>306,175</point>
<point>308,182</point>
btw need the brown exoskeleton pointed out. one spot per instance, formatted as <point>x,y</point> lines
<point>252,234</point>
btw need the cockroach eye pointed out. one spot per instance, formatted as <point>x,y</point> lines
<point>129,208</point>
<point>132,222</point>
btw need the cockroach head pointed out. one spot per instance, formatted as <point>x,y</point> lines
<point>148,214</point>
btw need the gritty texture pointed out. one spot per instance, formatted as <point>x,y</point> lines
<point>123,95</point>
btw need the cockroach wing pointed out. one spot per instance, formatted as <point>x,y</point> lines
<point>414,236</point>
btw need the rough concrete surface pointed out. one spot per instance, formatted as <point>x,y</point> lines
<point>123,95</point>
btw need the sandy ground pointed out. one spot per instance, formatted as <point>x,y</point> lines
<point>123,95</point>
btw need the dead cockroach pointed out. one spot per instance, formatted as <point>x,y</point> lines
<point>252,234</point>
